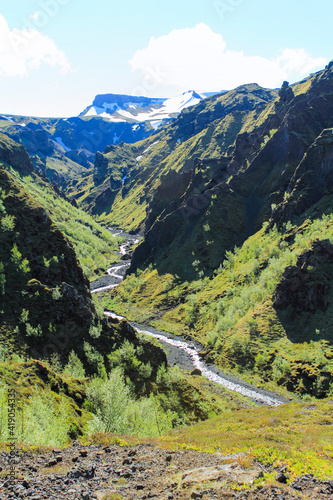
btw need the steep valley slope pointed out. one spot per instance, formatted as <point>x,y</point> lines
<point>234,200</point>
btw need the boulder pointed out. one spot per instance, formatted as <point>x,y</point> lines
<point>228,473</point>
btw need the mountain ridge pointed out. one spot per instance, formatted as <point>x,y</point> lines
<point>126,108</point>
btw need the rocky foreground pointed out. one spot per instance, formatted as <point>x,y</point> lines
<point>143,472</point>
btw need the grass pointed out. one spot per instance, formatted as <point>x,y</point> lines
<point>232,313</point>
<point>95,246</point>
<point>173,150</point>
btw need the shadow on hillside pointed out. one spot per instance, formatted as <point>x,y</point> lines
<point>305,326</point>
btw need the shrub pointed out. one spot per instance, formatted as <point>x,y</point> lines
<point>74,367</point>
<point>115,409</point>
<point>42,420</point>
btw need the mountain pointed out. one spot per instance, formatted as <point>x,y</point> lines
<point>206,132</point>
<point>46,305</point>
<point>234,200</point>
<point>64,149</point>
<point>130,109</point>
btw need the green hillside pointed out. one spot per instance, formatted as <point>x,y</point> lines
<point>237,252</point>
<point>234,200</point>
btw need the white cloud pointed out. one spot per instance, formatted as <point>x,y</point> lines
<point>22,51</point>
<point>197,58</point>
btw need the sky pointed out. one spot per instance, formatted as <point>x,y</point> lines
<point>56,55</point>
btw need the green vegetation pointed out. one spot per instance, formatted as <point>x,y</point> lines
<point>116,409</point>
<point>172,149</point>
<point>56,403</point>
<point>95,246</point>
<point>296,435</point>
<point>261,305</point>
<point>232,313</point>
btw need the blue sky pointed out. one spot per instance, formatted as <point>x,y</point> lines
<point>56,55</point>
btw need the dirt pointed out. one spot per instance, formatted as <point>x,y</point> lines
<point>144,472</point>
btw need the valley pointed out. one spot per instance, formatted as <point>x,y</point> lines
<point>166,290</point>
<point>184,354</point>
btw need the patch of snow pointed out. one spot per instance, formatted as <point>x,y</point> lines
<point>131,105</point>
<point>59,141</point>
<point>94,111</point>
<point>110,105</point>
<point>127,114</point>
<point>138,158</point>
<point>124,179</point>
<point>135,127</point>
<point>177,104</point>
<point>104,115</point>
<point>165,109</point>
<point>115,138</point>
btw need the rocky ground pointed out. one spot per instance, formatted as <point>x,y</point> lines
<point>143,472</point>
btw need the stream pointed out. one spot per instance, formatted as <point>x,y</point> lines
<point>180,351</point>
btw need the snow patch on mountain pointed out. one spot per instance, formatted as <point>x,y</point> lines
<point>119,108</point>
<point>60,142</point>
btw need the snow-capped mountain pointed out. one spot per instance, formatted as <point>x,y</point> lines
<point>123,108</point>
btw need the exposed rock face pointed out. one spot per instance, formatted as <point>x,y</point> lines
<point>286,93</point>
<point>35,140</point>
<point>233,200</point>
<point>305,286</point>
<point>100,169</point>
<point>312,179</point>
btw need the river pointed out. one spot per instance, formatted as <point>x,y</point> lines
<point>180,351</point>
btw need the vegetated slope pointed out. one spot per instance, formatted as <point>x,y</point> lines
<point>243,455</point>
<point>64,148</point>
<point>46,309</point>
<point>52,340</point>
<point>126,177</point>
<point>95,247</point>
<point>46,305</point>
<point>264,308</point>
<point>227,208</point>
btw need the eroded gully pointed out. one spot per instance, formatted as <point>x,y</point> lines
<point>180,351</point>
